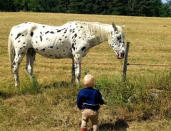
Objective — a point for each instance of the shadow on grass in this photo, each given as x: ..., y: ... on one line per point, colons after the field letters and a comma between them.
x: 63, y: 84
x: 119, y: 125
x: 31, y: 87
x: 5, y: 95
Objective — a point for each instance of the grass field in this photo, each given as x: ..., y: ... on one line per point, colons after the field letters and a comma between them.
x: 143, y: 101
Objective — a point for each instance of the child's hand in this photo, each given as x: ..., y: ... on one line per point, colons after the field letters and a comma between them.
x: 105, y: 103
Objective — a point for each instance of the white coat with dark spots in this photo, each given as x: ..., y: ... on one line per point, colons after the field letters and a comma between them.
x: 71, y: 40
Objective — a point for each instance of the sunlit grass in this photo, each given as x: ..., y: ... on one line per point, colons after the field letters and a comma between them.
x: 49, y: 101
x: 149, y: 37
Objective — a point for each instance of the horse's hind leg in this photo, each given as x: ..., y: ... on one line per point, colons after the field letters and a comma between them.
x: 15, y: 65
x: 30, y: 61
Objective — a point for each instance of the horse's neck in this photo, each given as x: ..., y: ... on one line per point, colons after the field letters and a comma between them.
x: 100, y: 31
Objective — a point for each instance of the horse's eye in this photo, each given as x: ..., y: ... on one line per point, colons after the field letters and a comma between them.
x: 119, y: 38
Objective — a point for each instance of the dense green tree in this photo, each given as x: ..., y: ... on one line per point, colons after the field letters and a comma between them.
x: 7, y: 5
x: 165, y: 11
x: 168, y: 6
x: 35, y: 5
x: 117, y: 7
x: 120, y: 7
x: 48, y: 5
x: 76, y: 6
x: 21, y: 5
x: 3, y: 5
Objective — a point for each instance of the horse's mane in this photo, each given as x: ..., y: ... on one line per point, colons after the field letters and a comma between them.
x: 97, y: 29
x: 100, y: 30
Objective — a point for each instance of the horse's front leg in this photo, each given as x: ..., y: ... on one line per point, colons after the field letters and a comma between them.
x: 77, y: 67
x: 73, y: 71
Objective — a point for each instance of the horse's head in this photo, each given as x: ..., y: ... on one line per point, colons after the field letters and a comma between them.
x: 117, y: 41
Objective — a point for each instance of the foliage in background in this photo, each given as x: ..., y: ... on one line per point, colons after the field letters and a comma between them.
x: 116, y: 7
x: 146, y: 97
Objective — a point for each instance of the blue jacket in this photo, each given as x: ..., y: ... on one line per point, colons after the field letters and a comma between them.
x: 89, y: 98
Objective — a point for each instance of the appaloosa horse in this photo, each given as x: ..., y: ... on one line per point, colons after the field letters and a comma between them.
x: 71, y: 40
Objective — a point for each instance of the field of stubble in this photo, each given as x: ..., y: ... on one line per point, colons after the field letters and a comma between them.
x: 49, y: 103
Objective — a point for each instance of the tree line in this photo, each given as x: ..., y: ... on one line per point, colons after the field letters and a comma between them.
x: 107, y: 7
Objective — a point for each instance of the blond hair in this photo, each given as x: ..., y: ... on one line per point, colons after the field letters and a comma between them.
x: 88, y: 80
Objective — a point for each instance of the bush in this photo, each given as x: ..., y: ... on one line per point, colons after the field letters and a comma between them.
x: 146, y: 95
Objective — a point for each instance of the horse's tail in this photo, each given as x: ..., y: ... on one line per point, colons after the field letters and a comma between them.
x: 31, y: 29
x: 11, y: 50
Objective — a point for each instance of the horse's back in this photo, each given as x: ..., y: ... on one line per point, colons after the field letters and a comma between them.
x: 51, y: 41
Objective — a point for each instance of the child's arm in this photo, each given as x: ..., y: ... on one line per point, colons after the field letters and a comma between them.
x: 101, y: 101
x: 80, y: 100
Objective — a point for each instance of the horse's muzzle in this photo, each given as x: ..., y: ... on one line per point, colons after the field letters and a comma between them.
x: 120, y: 55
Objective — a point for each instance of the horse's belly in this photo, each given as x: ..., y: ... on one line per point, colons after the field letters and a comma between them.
x: 52, y: 50
x: 51, y: 53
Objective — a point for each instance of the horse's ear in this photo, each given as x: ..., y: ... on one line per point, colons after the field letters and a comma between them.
x: 123, y: 26
x: 114, y: 27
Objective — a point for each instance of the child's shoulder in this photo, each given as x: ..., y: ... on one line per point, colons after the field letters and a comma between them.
x: 89, y: 89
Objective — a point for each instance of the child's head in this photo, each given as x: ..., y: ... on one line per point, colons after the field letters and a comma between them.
x: 88, y: 80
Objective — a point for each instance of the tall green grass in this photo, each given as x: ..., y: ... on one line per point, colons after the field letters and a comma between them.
x: 53, y: 104
x: 148, y: 96
x: 27, y: 86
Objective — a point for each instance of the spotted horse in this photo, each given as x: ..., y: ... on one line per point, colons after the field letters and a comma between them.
x: 71, y: 40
